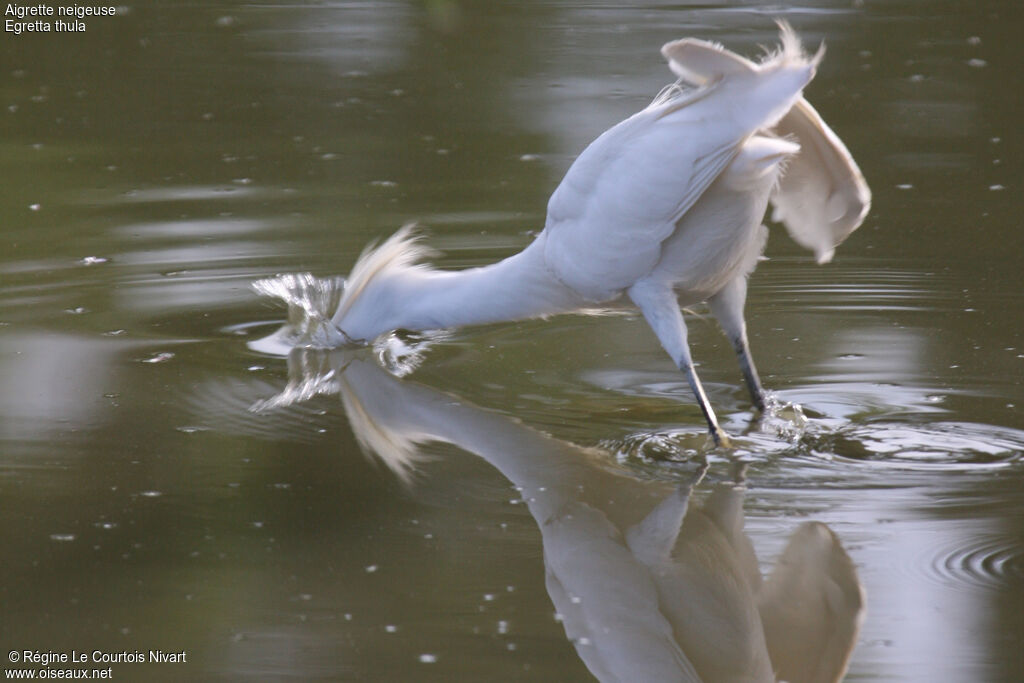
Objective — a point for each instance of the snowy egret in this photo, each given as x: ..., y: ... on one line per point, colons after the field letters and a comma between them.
x: 664, y: 209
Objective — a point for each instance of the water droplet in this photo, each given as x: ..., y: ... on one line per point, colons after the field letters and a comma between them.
x: 427, y: 658
x: 976, y: 63
x: 371, y: 568
x: 161, y: 357
x: 151, y: 494
x: 62, y: 538
x: 93, y: 260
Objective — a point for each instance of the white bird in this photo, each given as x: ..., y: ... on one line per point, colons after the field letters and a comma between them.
x: 665, y: 210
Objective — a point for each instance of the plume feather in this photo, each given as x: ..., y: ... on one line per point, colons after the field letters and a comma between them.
x: 403, y: 251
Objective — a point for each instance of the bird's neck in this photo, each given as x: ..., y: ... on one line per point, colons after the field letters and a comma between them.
x: 416, y: 299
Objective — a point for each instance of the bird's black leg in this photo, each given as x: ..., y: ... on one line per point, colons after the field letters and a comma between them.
x: 727, y: 307
x: 718, y: 436
x: 658, y: 303
x: 749, y: 371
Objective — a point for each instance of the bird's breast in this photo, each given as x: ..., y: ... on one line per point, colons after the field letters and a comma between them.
x: 718, y: 240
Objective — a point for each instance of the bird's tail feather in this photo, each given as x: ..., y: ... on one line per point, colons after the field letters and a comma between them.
x: 401, y: 251
x: 698, y: 62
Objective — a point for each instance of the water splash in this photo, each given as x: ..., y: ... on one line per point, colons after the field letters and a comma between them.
x: 311, y: 302
x: 783, y: 419
x: 400, y: 353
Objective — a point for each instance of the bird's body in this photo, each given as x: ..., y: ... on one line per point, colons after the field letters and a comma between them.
x: 663, y: 209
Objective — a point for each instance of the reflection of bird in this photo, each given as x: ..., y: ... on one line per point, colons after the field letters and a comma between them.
x: 664, y: 209
x: 649, y: 585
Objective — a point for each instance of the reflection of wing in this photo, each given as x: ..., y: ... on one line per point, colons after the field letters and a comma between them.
x: 608, y: 603
x: 811, y: 607
x: 822, y: 196
x: 725, y: 508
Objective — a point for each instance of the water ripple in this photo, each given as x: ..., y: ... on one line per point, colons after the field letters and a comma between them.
x: 227, y: 407
x: 935, y: 445
x: 987, y: 561
x: 852, y: 288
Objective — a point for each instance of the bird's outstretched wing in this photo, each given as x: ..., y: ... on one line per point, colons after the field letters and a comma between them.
x: 822, y: 196
x: 623, y: 196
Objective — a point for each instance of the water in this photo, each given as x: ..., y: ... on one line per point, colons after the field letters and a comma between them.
x: 168, y: 483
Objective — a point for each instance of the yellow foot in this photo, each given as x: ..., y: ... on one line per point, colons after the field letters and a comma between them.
x: 721, y: 439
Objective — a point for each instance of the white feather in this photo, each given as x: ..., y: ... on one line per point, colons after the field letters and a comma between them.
x: 666, y: 206
x: 823, y: 196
